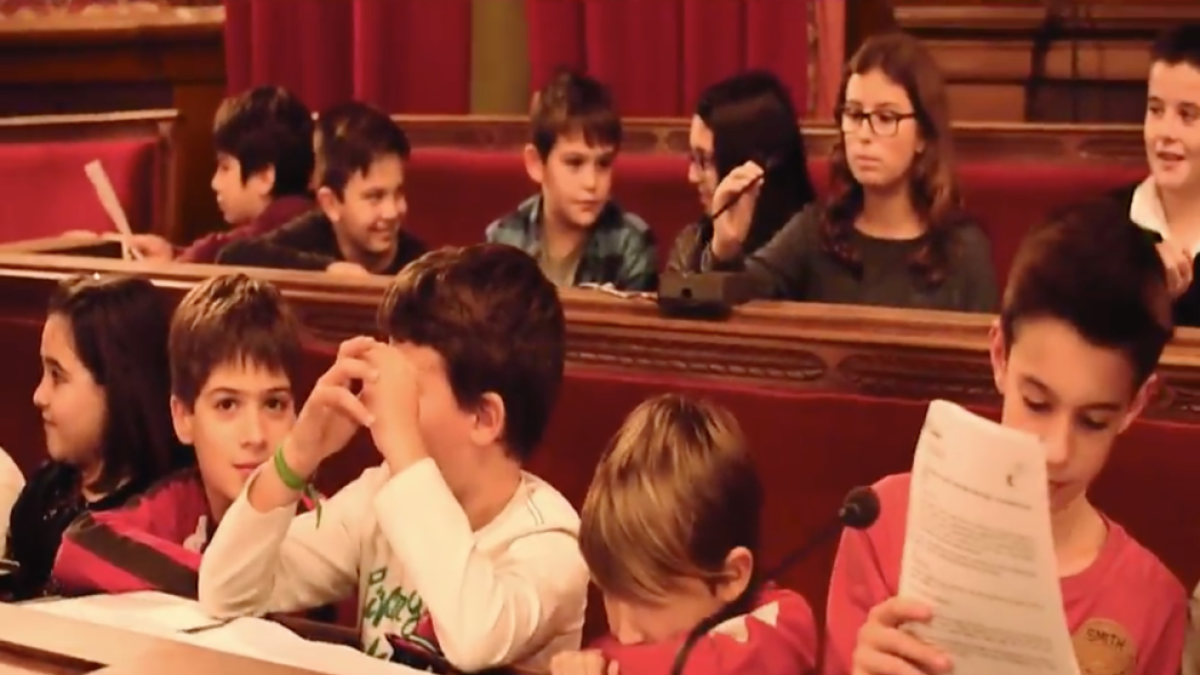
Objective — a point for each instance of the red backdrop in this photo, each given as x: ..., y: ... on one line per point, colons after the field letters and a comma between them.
x: 409, y: 56
x: 658, y: 55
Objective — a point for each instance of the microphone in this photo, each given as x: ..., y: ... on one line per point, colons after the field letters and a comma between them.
x: 859, y: 510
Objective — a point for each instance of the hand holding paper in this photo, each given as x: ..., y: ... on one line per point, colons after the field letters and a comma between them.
x: 112, y: 206
x: 979, y: 550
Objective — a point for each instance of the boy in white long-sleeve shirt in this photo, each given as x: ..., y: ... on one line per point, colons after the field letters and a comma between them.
x: 453, y: 548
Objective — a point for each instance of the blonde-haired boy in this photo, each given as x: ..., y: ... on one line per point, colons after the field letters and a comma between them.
x: 670, y: 532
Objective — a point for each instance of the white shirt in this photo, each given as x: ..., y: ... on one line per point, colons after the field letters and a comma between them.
x: 511, y: 593
x: 1146, y: 210
x: 11, y: 484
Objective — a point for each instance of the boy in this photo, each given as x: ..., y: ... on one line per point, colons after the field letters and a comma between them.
x: 1084, y: 320
x: 358, y: 229
x: 1168, y: 201
x: 573, y: 228
x: 263, y: 138
x: 670, y: 531
x: 235, y: 356
x: 456, y: 552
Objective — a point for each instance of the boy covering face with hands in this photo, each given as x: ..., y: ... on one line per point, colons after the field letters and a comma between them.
x: 454, y: 549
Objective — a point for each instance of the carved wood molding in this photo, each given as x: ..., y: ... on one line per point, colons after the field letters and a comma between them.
x: 863, y: 350
x: 973, y: 141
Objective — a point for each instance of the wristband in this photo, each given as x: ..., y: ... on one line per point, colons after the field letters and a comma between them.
x: 294, y: 482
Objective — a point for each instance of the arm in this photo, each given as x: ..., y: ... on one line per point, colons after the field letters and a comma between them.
x: 264, y: 252
x: 778, y: 638
x: 778, y: 270
x: 11, y: 483
x: 271, y: 560
x: 682, y: 257
x: 855, y: 587
x: 486, y: 612
x: 118, y: 551
x: 1165, y: 645
x: 639, y: 259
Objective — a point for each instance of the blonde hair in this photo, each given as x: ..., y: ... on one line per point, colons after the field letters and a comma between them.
x: 675, y: 492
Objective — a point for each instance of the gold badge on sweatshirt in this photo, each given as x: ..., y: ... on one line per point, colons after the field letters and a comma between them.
x: 1104, y: 647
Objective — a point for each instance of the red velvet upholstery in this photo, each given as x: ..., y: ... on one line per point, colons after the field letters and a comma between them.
x: 44, y: 191
x: 454, y: 194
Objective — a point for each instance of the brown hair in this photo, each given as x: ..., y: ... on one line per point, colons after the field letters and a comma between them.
x: 498, y: 325
x: 350, y: 138
x: 675, y: 492
x: 119, y: 330
x: 573, y: 102
x: 1094, y: 269
x: 933, y: 186
x: 231, y: 319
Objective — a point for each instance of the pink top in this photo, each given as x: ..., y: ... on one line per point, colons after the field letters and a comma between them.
x: 778, y: 637
x: 1126, y: 612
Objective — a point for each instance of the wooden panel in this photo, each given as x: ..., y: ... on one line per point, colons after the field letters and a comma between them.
x: 865, y: 350
x: 1036, y: 55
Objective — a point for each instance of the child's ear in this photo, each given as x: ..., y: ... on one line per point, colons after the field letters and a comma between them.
x: 739, y: 570
x: 1141, y: 399
x: 534, y: 166
x: 329, y: 203
x: 998, y: 350
x: 181, y: 418
x: 489, y: 420
x: 262, y: 183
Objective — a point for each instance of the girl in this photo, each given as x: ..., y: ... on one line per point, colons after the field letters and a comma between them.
x: 747, y: 117
x: 893, y: 232
x: 104, y: 398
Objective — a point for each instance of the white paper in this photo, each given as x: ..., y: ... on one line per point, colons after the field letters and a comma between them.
x: 112, y: 206
x: 979, y: 549
x: 149, y: 612
x: 268, y: 641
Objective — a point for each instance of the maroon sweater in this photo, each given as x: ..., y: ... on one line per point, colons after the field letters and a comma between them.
x: 279, y: 212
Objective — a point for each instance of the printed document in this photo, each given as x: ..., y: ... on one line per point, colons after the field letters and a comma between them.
x: 979, y: 550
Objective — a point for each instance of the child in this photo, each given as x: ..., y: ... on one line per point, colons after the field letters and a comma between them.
x: 359, y: 228
x: 1084, y: 320
x: 1168, y: 201
x: 454, y: 549
x: 11, y: 482
x: 104, y: 401
x: 893, y: 232
x: 670, y: 532
x: 235, y: 354
x: 573, y: 228
x: 264, y: 143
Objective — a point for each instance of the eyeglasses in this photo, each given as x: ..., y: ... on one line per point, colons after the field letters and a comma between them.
x: 881, y: 122
x: 701, y: 160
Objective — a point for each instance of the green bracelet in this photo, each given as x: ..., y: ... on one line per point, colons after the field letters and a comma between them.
x: 294, y: 482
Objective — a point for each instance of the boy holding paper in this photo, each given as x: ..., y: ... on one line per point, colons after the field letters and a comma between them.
x: 1084, y: 320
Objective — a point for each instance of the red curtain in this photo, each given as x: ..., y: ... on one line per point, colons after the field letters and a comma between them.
x: 658, y: 55
x: 411, y: 56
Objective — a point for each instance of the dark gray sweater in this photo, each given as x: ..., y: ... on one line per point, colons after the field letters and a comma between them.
x: 792, y: 266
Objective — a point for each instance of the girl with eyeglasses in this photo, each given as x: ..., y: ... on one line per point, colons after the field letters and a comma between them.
x: 893, y: 232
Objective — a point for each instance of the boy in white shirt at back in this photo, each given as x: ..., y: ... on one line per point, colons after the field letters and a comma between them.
x: 452, y: 547
x: 11, y: 483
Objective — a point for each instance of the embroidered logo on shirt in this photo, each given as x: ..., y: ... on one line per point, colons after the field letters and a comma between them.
x: 737, y: 629
x: 393, y: 614
x: 196, y: 541
x: 1104, y: 647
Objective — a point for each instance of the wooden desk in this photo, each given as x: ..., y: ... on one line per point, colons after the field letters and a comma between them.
x: 872, y: 351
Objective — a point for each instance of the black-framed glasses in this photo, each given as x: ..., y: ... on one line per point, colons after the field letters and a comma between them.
x: 703, y: 161
x: 881, y: 122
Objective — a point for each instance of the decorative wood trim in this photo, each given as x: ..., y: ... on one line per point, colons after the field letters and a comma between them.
x: 112, y: 26
x: 161, y: 125
x: 864, y: 350
x: 993, y: 141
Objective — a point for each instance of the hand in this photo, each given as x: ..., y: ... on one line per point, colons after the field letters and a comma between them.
x: 1178, y: 263
x: 884, y: 649
x: 394, y: 400
x: 332, y: 413
x: 731, y: 228
x: 589, y: 662
x: 152, y: 247
x: 347, y: 269
x: 80, y: 234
